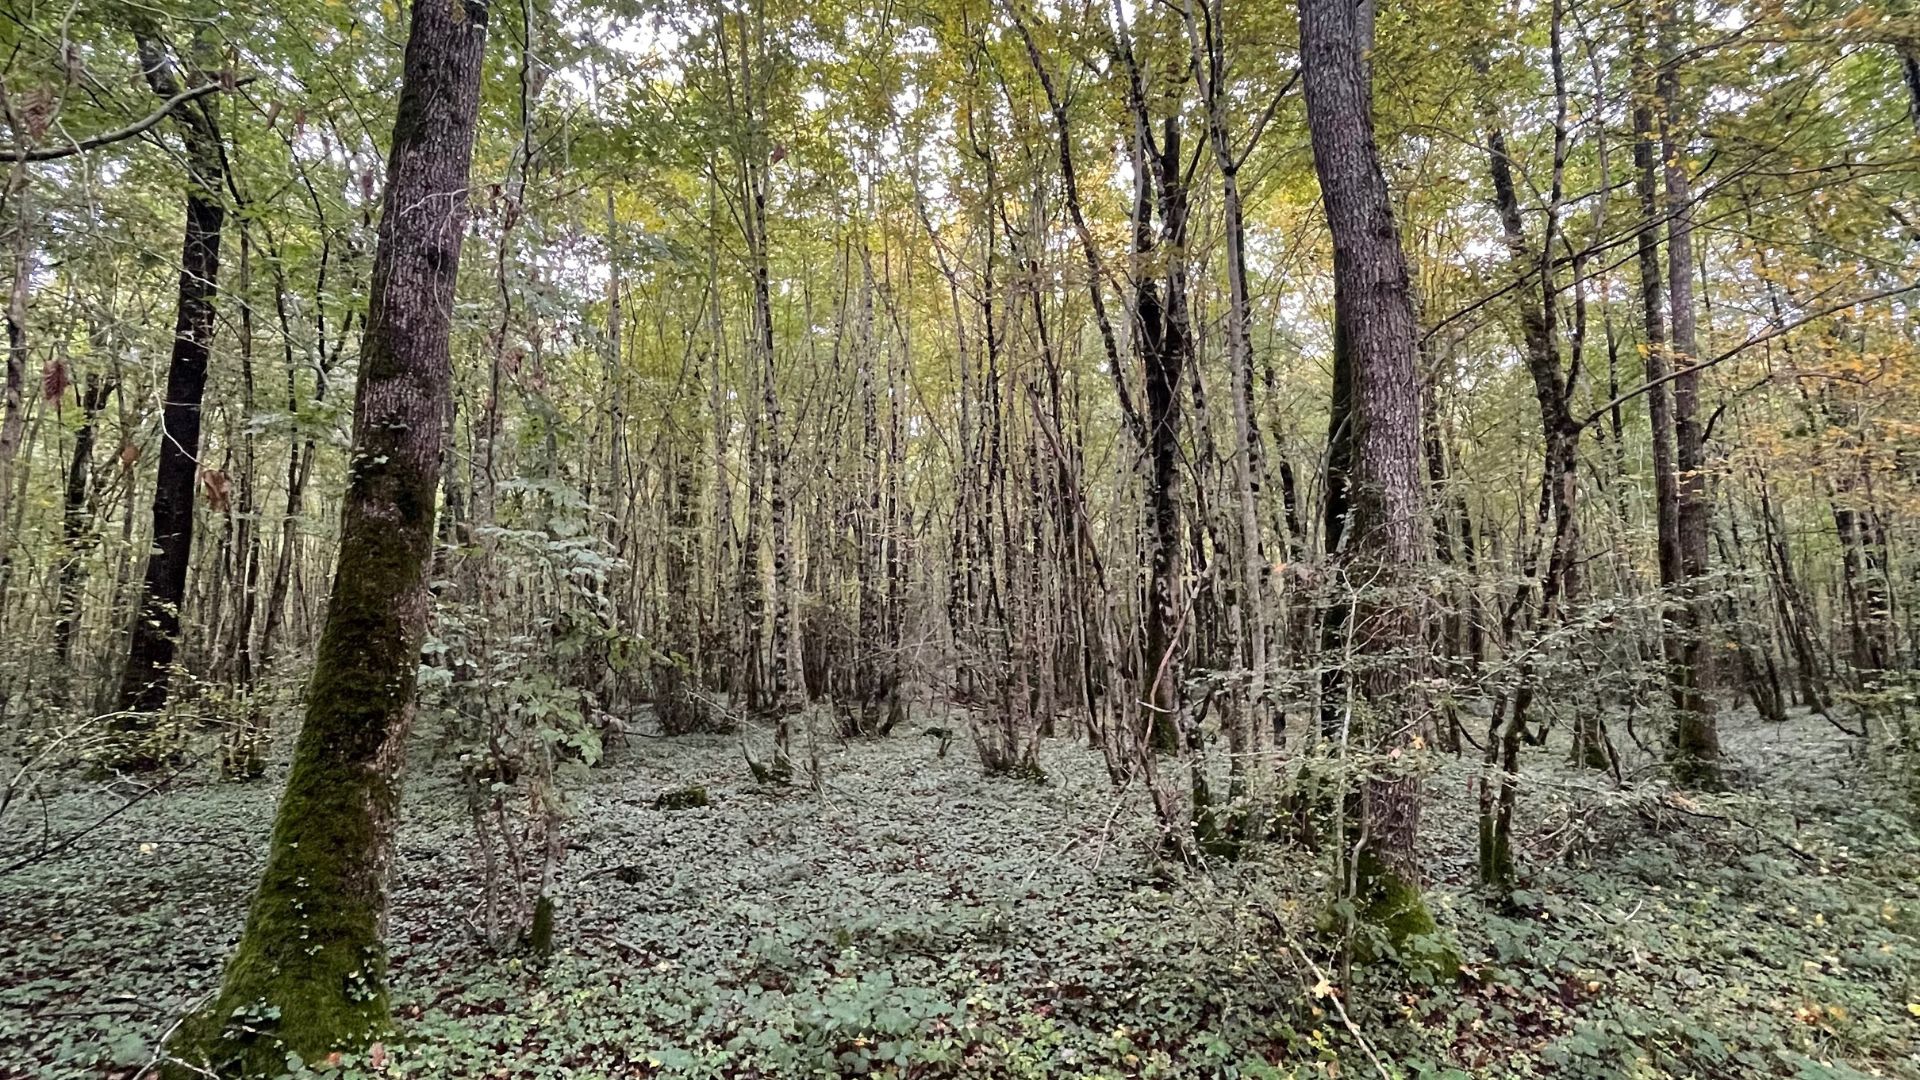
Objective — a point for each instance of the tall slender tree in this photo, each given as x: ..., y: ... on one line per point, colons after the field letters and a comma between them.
x: 155, y: 632
x: 309, y: 974
x: 1384, y: 545
x: 1696, y: 737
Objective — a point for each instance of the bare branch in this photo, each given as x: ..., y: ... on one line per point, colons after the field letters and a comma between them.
x: 1756, y: 339
x: 94, y: 142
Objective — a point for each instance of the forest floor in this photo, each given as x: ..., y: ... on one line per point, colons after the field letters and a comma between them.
x: 912, y: 918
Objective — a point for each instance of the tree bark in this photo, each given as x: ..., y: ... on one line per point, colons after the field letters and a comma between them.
x: 1162, y: 342
x: 1385, y: 547
x: 156, y: 619
x: 1696, y: 737
x: 1206, y: 34
x: 13, y: 415
x: 75, y: 521
x: 309, y: 973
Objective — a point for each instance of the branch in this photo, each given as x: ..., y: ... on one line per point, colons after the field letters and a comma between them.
x: 1260, y: 125
x: 54, y: 153
x: 1070, y: 189
x: 1777, y: 331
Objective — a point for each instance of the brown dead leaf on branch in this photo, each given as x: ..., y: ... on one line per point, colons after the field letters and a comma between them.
x: 219, y: 489
x: 54, y: 380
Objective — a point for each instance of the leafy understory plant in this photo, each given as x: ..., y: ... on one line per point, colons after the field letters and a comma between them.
x: 517, y: 648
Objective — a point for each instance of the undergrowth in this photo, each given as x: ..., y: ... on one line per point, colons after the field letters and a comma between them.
x: 913, y: 918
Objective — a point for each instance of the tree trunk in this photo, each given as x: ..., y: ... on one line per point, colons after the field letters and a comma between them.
x: 1207, y: 39
x: 1696, y: 737
x: 779, y: 512
x: 1162, y: 343
x: 308, y: 975
x: 156, y: 618
x: 1385, y: 548
x: 1909, y: 53
x: 1797, y: 623
x: 75, y: 522
x: 1660, y: 405
x: 13, y: 392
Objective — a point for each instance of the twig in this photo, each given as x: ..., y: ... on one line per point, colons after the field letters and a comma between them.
x: 47, y: 853
x: 1674, y: 802
x: 1756, y: 339
x: 54, y: 153
x: 160, y: 1055
x: 1340, y: 1010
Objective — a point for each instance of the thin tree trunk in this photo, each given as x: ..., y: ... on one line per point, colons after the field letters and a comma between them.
x: 13, y: 412
x: 1696, y: 737
x: 1209, y: 54
x: 1162, y: 344
x: 1666, y: 494
x: 156, y: 619
x: 75, y: 521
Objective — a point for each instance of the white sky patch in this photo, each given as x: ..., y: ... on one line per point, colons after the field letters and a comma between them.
x: 652, y: 42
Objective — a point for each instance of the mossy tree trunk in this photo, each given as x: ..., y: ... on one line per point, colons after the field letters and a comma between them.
x: 1384, y: 547
x: 309, y: 974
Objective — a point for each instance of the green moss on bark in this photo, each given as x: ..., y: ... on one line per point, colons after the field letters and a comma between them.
x: 1393, y: 904
x: 1496, y: 853
x: 687, y: 798
x: 1695, y: 759
x: 309, y: 975
x: 540, y: 935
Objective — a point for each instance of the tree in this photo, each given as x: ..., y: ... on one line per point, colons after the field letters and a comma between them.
x: 308, y: 976
x: 1696, y: 738
x: 155, y: 632
x: 1384, y: 538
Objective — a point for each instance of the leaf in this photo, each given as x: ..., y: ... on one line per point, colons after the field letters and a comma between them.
x: 129, y: 1048
x: 54, y: 380
x: 219, y: 489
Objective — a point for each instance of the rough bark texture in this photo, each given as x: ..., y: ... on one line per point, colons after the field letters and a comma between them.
x: 1163, y: 343
x: 309, y: 974
x: 1696, y: 737
x: 1653, y: 303
x: 156, y: 619
x: 1385, y: 547
x: 1661, y: 399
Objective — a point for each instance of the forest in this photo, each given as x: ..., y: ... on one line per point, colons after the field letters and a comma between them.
x: 960, y: 538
